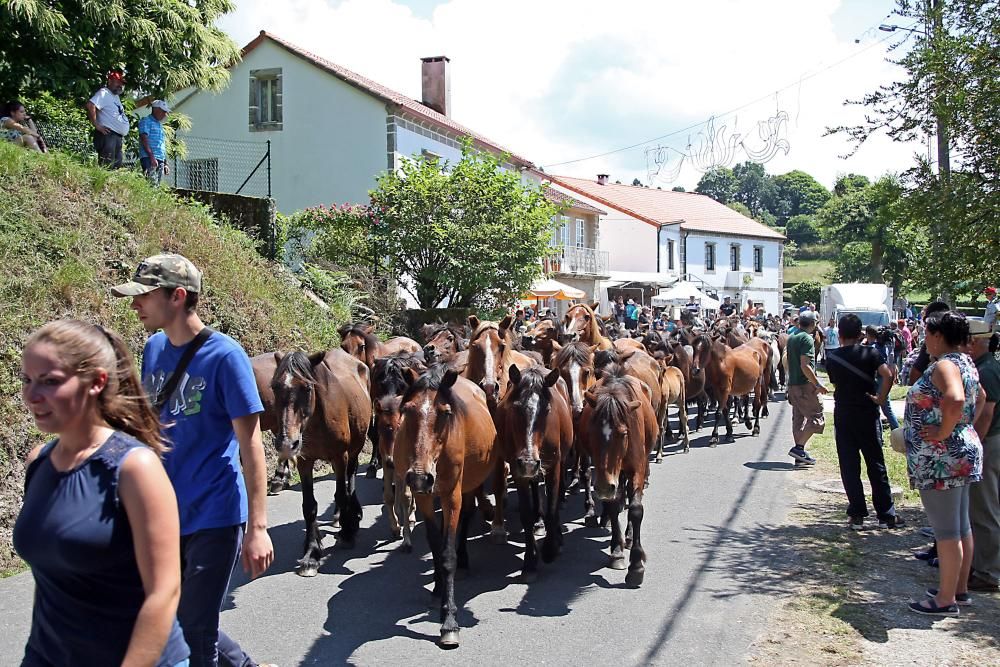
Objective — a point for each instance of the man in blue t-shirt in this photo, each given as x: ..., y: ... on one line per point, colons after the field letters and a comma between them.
x: 153, y: 143
x: 212, y: 425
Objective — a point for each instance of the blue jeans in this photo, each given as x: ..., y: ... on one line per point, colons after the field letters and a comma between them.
x: 208, y: 558
x: 887, y: 407
x: 155, y: 176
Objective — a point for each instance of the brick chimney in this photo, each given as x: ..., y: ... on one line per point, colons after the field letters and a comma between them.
x: 602, y: 179
x: 436, y: 84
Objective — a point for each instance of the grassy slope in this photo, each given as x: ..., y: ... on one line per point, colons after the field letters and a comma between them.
x: 809, y: 269
x: 69, y: 232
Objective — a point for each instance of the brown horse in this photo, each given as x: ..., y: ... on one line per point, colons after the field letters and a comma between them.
x: 263, y: 370
x: 581, y: 323
x: 623, y: 345
x: 732, y: 373
x: 575, y: 363
x: 359, y: 342
x: 490, y: 355
x: 620, y: 431
x: 638, y: 364
x: 672, y: 384
x: 542, y: 339
x: 535, y: 432
x: 445, y: 344
x: 323, y: 413
x: 445, y: 449
x: 391, y: 378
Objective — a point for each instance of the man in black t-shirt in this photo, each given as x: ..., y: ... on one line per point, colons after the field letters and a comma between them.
x: 853, y: 368
x: 727, y: 308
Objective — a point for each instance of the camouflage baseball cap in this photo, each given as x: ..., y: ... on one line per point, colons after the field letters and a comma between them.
x: 161, y: 271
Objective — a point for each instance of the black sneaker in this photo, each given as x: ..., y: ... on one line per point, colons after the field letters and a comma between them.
x: 856, y: 523
x: 891, y: 523
x: 800, y: 454
x: 963, y: 599
x: 934, y: 610
x: 803, y: 464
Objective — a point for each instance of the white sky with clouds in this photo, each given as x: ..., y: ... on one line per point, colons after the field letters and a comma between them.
x: 556, y: 80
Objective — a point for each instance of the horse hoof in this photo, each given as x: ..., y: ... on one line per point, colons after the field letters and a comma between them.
x: 590, y: 521
x: 659, y: 459
x: 618, y: 563
x: 729, y: 440
x: 628, y: 543
x: 275, y: 487
x: 449, y: 639
x: 634, y: 577
x: 539, y: 531
x: 498, y: 536
x: 713, y: 443
x: 756, y: 431
x: 308, y: 570
x: 687, y: 449
x: 528, y: 577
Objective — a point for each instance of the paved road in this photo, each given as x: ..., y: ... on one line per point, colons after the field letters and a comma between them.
x: 701, y: 602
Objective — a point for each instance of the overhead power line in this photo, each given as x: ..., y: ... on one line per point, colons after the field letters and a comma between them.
x: 797, y: 82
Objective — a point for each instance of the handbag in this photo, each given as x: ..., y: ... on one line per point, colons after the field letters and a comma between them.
x: 897, y: 440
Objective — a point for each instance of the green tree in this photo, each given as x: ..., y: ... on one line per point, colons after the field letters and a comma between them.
x: 678, y: 188
x: 802, y: 229
x: 853, y: 263
x: 847, y: 183
x: 719, y: 183
x: 797, y: 193
x: 468, y: 234
x: 754, y: 188
x: 67, y: 46
x: 807, y: 290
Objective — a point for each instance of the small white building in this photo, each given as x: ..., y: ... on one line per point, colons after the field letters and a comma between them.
x: 683, y: 235
x: 331, y: 131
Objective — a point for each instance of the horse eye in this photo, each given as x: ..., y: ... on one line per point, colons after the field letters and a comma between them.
x: 451, y: 338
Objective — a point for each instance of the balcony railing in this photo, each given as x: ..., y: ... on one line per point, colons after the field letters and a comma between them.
x: 586, y: 261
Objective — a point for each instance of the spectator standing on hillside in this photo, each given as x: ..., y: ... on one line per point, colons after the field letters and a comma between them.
x: 992, y: 306
x: 153, y: 143
x: 99, y: 522
x: 853, y: 368
x: 107, y: 115
x: 804, y: 388
x: 213, y: 411
x: 944, y: 455
x: 984, y: 498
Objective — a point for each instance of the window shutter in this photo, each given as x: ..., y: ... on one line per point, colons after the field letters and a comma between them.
x: 277, y: 99
x: 254, y: 101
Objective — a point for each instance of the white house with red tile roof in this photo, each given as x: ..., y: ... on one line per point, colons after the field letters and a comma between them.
x: 677, y: 234
x: 332, y: 131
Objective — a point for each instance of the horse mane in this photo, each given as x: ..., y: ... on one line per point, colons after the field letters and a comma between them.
x: 297, y: 365
x: 349, y: 329
x: 604, y: 357
x: 574, y: 352
x: 533, y: 379
x: 459, y: 332
x: 390, y: 373
x: 431, y: 381
x: 484, y: 326
x: 612, y: 399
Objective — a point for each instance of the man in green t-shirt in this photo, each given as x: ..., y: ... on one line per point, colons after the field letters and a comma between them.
x: 984, y: 503
x: 804, y: 388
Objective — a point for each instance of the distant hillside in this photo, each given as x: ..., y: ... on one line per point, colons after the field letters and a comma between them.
x: 68, y: 232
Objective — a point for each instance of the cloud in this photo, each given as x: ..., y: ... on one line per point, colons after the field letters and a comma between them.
x: 564, y: 79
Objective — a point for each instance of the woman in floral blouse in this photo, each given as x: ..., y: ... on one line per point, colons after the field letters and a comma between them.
x: 944, y: 455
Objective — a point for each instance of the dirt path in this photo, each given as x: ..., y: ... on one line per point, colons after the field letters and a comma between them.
x: 846, y: 593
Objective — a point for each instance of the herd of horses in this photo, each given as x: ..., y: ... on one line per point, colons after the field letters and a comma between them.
x: 572, y: 404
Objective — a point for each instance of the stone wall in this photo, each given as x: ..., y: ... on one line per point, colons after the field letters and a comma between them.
x: 253, y: 215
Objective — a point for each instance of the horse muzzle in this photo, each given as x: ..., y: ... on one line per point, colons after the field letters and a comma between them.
x: 430, y: 354
x: 420, y: 482
x: 606, y: 492
x: 526, y: 469
x: 289, y: 448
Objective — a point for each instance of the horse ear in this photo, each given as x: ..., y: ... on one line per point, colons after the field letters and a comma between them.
x: 412, y: 375
x: 593, y: 348
x: 514, y: 374
x: 368, y: 328
x: 505, y: 322
x: 590, y: 397
x: 344, y: 330
x: 278, y: 356
x: 426, y: 330
x: 668, y: 358
x: 448, y: 381
x: 594, y: 305
x: 634, y: 405
x: 552, y: 377
x: 316, y: 358
x: 556, y: 346
x: 473, y: 322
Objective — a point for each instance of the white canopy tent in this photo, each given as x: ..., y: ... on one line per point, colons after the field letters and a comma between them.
x: 679, y: 294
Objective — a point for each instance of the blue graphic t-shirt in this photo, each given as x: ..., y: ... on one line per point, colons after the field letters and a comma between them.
x: 204, y: 460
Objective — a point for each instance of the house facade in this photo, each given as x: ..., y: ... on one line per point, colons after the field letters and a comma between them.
x: 331, y: 131
x: 674, y: 235
x: 579, y: 260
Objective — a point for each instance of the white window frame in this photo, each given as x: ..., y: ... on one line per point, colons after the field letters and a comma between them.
x: 580, y: 233
x: 266, y: 100
x: 670, y: 254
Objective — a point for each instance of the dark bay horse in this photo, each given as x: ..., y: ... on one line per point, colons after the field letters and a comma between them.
x: 445, y: 344
x: 620, y: 431
x: 391, y: 378
x: 731, y: 373
x: 575, y: 363
x: 581, y: 323
x: 445, y: 449
x: 323, y: 413
x: 359, y: 341
x: 535, y: 431
x: 542, y: 338
x: 491, y: 352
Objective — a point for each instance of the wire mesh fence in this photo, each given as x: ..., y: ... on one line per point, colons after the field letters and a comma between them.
x: 223, y: 165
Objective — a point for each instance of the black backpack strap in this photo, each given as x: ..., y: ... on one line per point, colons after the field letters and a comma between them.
x: 165, y: 393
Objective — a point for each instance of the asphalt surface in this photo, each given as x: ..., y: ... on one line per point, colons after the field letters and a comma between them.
x: 701, y: 602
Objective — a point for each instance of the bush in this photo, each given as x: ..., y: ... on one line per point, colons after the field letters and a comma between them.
x: 807, y: 290
x: 63, y: 123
